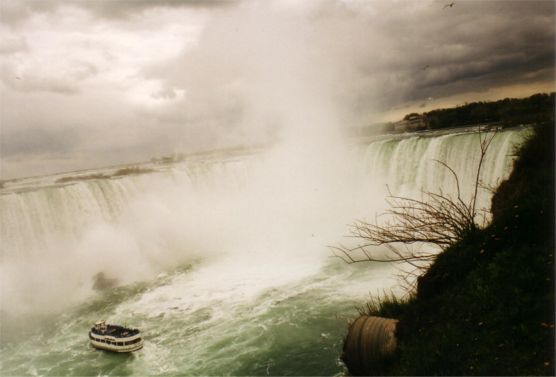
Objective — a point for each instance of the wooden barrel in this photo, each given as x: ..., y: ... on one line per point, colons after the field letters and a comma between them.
x: 370, y: 341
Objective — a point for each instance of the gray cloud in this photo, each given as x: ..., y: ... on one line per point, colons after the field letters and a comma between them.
x: 38, y: 141
x: 12, y: 44
x: 33, y: 82
x: 369, y: 60
x: 259, y: 69
x: 494, y: 51
x: 14, y: 11
x: 122, y: 8
x: 474, y: 46
x: 165, y: 93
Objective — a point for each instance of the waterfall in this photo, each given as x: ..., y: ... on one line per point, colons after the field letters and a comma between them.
x: 59, y: 231
x: 30, y: 218
x: 411, y: 165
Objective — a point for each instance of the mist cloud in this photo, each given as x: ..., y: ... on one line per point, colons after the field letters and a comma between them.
x: 137, y: 78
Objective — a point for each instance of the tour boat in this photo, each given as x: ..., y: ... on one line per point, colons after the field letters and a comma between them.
x: 115, y: 338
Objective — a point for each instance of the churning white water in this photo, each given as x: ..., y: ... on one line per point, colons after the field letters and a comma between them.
x: 220, y: 259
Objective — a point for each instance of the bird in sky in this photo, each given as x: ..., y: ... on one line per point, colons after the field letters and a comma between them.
x: 449, y: 5
x: 426, y: 67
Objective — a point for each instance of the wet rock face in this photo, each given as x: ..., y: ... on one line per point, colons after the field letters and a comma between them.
x: 102, y: 282
x: 369, y: 344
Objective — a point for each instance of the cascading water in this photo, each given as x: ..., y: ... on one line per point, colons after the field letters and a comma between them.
x: 31, y: 218
x: 220, y: 261
x: 412, y: 165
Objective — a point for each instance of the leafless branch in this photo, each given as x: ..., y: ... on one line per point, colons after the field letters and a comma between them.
x: 436, y: 219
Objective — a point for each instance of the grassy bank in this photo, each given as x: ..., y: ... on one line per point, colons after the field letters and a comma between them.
x: 486, y: 306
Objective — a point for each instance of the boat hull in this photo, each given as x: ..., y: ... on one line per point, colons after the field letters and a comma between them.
x: 116, y: 344
x: 119, y: 349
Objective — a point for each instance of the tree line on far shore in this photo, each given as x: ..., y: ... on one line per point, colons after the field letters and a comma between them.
x: 506, y: 112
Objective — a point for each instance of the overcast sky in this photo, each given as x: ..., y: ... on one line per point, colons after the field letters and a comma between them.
x: 101, y: 82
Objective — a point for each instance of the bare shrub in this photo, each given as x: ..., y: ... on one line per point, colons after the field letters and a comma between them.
x: 435, y: 219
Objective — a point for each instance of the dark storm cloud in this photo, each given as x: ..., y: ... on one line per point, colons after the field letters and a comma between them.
x: 473, y: 46
x: 373, y: 55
